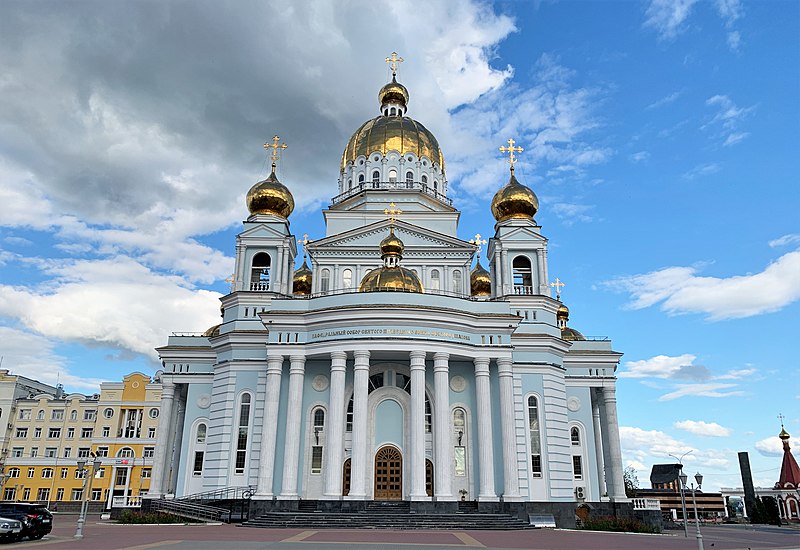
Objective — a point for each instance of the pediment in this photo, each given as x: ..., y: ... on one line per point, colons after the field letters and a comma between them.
x: 368, y: 238
x: 521, y: 234
x: 262, y: 231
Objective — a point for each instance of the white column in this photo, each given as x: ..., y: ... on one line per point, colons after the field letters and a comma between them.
x: 276, y: 273
x: 358, y: 460
x: 508, y: 284
x: 485, y: 453
x: 240, y: 275
x: 269, y: 430
x: 540, y: 261
x: 294, y: 418
x: 510, y: 475
x: 163, y: 449
x: 498, y: 274
x: 614, y: 479
x: 333, y: 448
x: 598, y: 444
x: 443, y: 450
x: 546, y: 276
x: 288, y: 270
x: 417, y: 466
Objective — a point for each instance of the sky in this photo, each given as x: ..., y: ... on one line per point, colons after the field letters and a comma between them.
x: 661, y: 138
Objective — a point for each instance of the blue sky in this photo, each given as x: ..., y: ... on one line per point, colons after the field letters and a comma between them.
x: 661, y: 138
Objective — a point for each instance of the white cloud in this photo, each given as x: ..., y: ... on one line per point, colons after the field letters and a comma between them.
x: 727, y: 119
x: 667, y: 16
x: 680, y: 290
x: 706, y: 389
x: 570, y: 213
x: 639, y: 156
x: 790, y: 238
x: 701, y: 170
x: 660, y: 366
x: 666, y: 100
x: 699, y: 427
x: 770, y: 446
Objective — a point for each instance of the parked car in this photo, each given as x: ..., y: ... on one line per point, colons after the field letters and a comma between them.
x: 10, y: 529
x: 36, y: 519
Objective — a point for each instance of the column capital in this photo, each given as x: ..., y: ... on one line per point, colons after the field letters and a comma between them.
x: 361, y: 354
x: 167, y: 390
x: 417, y: 355
x: 441, y: 356
x: 481, y: 366
x: 297, y: 364
x: 504, y: 366
x: 609, y: 393
x: 361, y: 359
x: 339, y: 356
x: 274, y: 364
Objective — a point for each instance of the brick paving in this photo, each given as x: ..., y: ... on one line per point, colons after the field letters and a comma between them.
x: 105, y: 536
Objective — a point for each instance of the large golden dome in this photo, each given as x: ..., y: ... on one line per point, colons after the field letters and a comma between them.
x: 480, y: 282
x: 397, y: 279
x: 392, y: 133
x: 301, y: 282
x: 514, y: 200
x: 270, y: 196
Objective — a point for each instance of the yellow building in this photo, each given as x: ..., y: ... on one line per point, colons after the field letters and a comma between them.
x: 49, y: 434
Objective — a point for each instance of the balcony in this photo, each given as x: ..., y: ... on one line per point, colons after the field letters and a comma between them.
x: 392, y: 186
x: 259, y: 286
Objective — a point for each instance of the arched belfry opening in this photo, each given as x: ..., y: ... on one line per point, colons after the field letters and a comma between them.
x: 260, y: 271
x: 523, y: 280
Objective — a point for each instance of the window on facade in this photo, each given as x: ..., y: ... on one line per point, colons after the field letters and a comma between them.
x: 47, y: 473
x: 108, y: 412
x: 43, y: 493
x: 86, y: 433
x: 90, y: 414
x: 534, y: 435
x: 403, y: 382
x: 459, y: 451
x: 24, y: 414
x: 60, y: 493
x: 197, y: 469
x: 325, y: 280
x: 241, y: 440
x: 70, y: 433
x: 67, y: 452
x: 83, y: 452
x: 96, y: 493
x: 201, y: 433
x: 102, y: 451
x: 435, y: 280
x: 50, y: 452
x: 428, y: 416
x: 122, y: 477
x: 149, y: 452
x: 523, y: 283
x: 458, y: 288
x: 259, y: 273
x: 153, y: 413
x: 435, y: 186
x: 577, y: 467
x: 77, y: 494
x: 34, y: 452
x: 64, y: 473
x: 575, y: 436
x: 16, y: 452
x: 409, y: 177
x: 73, y: 415
x: 347, y: 279
x: 10, y: 493
x: 13, y: 472
x: 80, y: 473
x: 57, y: 414
x: 40, y: 415
x: 37, y: 433
x: 100, y: 473
x: 393, y: 175
x: 316, y: 459
x: 26, y: 494
x: 31, y: 472
x: 424, y: 179
x: 349, y: 421
x: 375, y: 381
x: 125, y: 452
x: 361, y: 178
x: 146, y: 473
x: 22, y: 432
x: 319, y: 419
x: 376, y: 176
x: 151, y: 433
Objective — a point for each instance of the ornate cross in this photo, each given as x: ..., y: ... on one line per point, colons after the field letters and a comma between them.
x: 393, y: 61
x: 392, y: 212
x: 511, y: 150
x: 781, y: 417
x: 231, y: 280
x: 305, y: 242
x: 558, y: 285
x: 477, y: 241
x: 275, y: 145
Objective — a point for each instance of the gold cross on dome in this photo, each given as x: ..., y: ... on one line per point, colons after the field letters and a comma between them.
x: 512, y: 160
x: 558, y: 285
x: 477, y: 241
x: 275, y: 145
x: 781, y: 417
x: 392, y: 212
x: 393, y: 62
x: 231, y: 280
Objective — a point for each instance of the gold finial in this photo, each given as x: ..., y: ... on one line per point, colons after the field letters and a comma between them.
x: 275, y: 145
x: 558, y: 285
x: 231, y: 281
x: 392, y: 212
x: 511, y: 150
x: 393, y: 61
x: 477, y: 241
x: 305, y: 242
x: 781, y: 417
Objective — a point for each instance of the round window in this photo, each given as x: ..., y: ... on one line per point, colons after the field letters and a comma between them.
x: 108, y: 413
x: 153, y: 413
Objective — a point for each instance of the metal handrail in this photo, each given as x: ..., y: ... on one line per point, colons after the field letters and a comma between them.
x: 392, y: 186
x: 193, y: 511
x: 221, y: 494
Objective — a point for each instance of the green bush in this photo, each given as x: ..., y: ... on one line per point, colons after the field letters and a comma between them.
x: 626, y: 525
x: 138, y: 517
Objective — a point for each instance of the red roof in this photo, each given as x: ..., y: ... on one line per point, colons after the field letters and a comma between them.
x: 790, y: 471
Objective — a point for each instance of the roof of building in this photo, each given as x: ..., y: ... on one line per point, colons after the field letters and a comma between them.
x: 664, y: 473
x: 790, y: 471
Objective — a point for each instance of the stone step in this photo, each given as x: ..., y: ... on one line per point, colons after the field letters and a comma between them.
x: 377, y: 520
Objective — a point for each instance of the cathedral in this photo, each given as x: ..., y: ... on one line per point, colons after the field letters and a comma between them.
x: 391, y: 365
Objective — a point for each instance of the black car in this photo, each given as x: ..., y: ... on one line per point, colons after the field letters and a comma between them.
x: 36, y: 519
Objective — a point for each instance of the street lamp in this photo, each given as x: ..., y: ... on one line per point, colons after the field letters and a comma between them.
x: 699, y: 479
x: 682, y: 484
x: 84, y: 504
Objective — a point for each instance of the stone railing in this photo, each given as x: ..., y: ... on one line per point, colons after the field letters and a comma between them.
x: 646, y: 504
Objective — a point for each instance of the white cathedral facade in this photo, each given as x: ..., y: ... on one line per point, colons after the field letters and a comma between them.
x: 391, y: 368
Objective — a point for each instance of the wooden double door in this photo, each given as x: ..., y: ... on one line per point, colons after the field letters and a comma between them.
x: 388, y: 474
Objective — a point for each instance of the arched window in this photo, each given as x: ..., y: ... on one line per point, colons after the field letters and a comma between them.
x: 360, y: 178
x: 409, y: 177
x: 243, y: 432
x: 40, y: 415
x: 73, y: 415
x: 350, y: 183
x: 259, y: 274
x: 459, y: 439
x: 522, y: 276
x: 428, y: 416
x: 575, y: 435
x: 319, y: 419
x: 457, y: 286
x: 325, y: 280
x: 125, y: 452
x: 424, y: 179
x: 317, y: 445
x: 347, y: 279
x: 435, y: 187
x: 534, y: 435
x: 349, y: 419
x: 435, y: 281
x: 393, y: 175
x: 376, y: 176
x: 200, y: 437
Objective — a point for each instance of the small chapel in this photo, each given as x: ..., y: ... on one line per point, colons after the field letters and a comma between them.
x: 393, y: 364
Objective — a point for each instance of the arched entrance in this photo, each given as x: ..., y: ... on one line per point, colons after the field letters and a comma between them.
x: 388, y: 474
x: 346, y: 478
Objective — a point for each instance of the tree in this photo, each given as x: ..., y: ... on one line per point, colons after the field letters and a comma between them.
x: 631, y: 481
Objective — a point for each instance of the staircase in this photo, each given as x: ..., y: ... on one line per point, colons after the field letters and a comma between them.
x: 395, y: 515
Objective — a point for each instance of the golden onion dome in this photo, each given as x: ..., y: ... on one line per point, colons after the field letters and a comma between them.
x: 480, y: 282
x: 571, y: 334
x: 392, y: 133
x: 393, y: 92
x: 562, y: 313
x: 270, y: 196
x: 301, y: 282
x: 398, y: 279
x: 212, y: 331
x: 392, y: 245
x: 514, y: 200
x: 784, y: 435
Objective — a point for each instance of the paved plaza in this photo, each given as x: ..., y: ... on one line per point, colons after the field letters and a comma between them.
x: 108, y: 536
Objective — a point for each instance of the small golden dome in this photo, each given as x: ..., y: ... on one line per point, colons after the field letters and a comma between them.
x: 301, y: 282
x: 514, y: 200
x: 784, y: 434
x: 212, y: 331
x: 398, y: 279
x: 480, y: 282
x: 393, y: 92
x: 571, y: 334
x: 562, y: 313
x: 270, y: 196
x: 392, y: 245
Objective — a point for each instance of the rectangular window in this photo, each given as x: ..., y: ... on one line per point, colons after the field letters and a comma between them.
x: 100, y: 473
x: 86, y: 433
x: 577, y: 467
x: 198, y: 463
x: 34, y: 452
x: 96, y: 493
x: 31, y: 472
x: 13, y: 472
x: 149, y: 452
x: 16, y: 452
x: 90, y: 414
x: 122, y: 476
x: 10, y: 493
x: 26, y: 494
x: 460, y: 456
x: 83, y: 452
x: 534, y: 436
x: 24, y: 414
x: 67, y: 452
x: 77, y: 494
x: 316, y: 459
x: 43, y: 493
x: 106, y: 431
x: 146, y: 472
x: 536, y: 465
x: 151, y: 433
x: 64, y: 473
x: 37, y: 433
x: 57, y: 414
x: 22, y: 433
x: 70, y: 433
x: 80, y: 473
x: 50, y: 452
x: 60, y: 493
x: 54, y: 433
x: 47, y: 473
x: 102, y: 451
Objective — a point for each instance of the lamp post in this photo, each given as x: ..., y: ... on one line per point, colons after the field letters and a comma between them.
x: 699, y: 479
x: 681, y: 486
x: 84, y: 504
